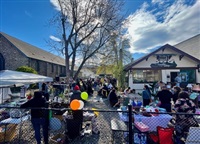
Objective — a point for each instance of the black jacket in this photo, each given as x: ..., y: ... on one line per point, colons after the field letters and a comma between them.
x: 36, y: 103
x: 165, y: 96
x: 76, y: 95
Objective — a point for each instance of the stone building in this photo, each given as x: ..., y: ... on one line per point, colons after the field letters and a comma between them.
x: 15, y: 53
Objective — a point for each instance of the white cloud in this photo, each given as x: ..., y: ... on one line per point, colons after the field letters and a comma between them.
x: 176, y: 22
x: 157, y: 1
x: 55, y: 38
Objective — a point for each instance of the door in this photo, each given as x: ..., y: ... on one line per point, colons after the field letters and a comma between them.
x: 173, y: 75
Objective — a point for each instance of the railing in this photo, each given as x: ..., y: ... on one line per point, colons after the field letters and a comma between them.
x: 97, y: 126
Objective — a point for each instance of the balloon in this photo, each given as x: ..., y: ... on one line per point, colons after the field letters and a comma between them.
x: 75, y: 104
x: 81, y: 104
x: 55, y: 124
x: 84, y: 95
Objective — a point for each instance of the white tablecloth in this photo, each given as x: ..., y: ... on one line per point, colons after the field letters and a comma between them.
x: 153, y: 121
x: 15, y: 120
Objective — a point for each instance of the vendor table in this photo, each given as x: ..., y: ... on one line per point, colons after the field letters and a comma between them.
x: 153, y: 121
x: 14, y: 121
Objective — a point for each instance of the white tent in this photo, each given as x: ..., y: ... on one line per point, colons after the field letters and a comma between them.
x: 8, y: 78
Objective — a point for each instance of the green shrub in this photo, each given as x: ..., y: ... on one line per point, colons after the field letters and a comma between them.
x: 26, y: 69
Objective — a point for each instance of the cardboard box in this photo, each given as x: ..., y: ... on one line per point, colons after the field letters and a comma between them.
x: 10, y: 133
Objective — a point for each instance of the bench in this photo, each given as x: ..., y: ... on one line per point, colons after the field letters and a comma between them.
x: 118, y: 126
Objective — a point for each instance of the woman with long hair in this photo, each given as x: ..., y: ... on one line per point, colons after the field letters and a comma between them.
x: 176, y: 90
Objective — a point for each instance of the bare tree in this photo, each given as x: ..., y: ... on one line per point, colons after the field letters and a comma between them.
x: 86, y: 26
x: 117, y: 50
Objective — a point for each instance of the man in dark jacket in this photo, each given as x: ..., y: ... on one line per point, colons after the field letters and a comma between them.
x: 74, y: 126
x: 39, y: 116
x: 76, y: 94
x: 165, y: 98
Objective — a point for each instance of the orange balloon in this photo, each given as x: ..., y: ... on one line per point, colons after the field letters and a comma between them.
x: 75, y: 104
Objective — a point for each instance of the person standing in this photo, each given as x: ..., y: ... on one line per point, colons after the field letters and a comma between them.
x: 146, y: 95
x: 76, y: 94
x: 176, y: 91
x: 178, y: 80
x: 74, y: 125
x: 45, y: 90
x: 39, y: 117
x: 165, y: 98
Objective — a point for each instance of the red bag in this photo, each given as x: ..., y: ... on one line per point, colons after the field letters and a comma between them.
x: 165, y: 135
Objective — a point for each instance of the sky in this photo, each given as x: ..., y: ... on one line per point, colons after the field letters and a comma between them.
x: 150, y: 23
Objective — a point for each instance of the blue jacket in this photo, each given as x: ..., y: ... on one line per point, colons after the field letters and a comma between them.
x: 146, y: 94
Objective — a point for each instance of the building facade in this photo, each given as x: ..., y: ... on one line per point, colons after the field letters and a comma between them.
x: 166, y: 64
x: 15, y: 53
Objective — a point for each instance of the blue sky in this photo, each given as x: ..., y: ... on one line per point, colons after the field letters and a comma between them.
x: 152, y: 23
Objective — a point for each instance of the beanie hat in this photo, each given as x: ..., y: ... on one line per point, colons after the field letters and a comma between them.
x: 76, y: 87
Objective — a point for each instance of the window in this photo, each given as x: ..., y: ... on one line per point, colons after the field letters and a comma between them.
x: 2, y: 62
x: 56, y: 69
x: 144, y: 76
x: 52, y: 68
x: 37, y: 65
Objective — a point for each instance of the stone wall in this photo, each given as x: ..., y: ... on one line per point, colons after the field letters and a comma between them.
x: 14, y: 58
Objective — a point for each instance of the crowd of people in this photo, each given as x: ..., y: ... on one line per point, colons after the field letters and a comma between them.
x: 173, y: 99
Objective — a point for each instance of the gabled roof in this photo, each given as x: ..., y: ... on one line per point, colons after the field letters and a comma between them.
x: 129, y: 66
x: 34, y: 52
x: 191, y: 46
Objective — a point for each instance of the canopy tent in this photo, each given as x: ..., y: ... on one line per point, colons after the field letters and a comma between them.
x: 9, y: 78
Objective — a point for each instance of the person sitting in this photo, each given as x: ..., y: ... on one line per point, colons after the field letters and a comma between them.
x: 110, y: 86
x: 127, y: 90
x: 184, y: 122
x: 104, y: 91
x: 113, y: 97
x: 119, y: 102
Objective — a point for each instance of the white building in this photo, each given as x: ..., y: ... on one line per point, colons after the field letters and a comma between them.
x: 165, y: 63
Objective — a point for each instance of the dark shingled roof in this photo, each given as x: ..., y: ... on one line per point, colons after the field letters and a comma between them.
x: 34, y: 52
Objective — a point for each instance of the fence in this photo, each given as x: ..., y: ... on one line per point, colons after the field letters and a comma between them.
x: 99, y: 126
